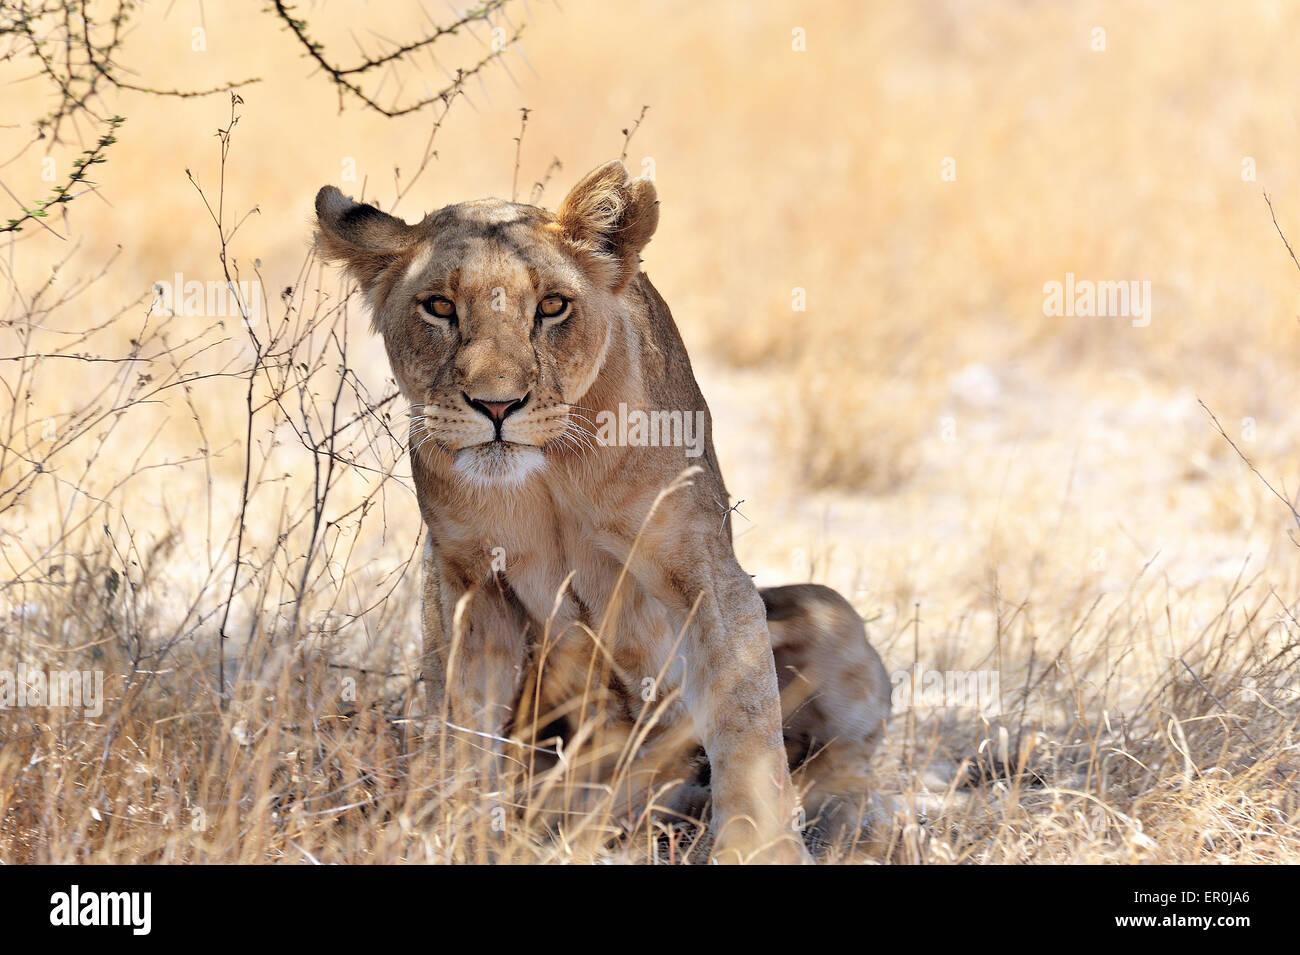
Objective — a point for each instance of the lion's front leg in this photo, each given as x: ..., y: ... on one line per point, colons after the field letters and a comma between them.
x: 481, y: 649
x: 485, y: 648
x: 475, y: 654
x: 433, y: 664
x: 731, y: 689
x: 485, y: 639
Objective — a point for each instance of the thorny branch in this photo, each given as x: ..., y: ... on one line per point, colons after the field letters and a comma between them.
x: 345, y: 77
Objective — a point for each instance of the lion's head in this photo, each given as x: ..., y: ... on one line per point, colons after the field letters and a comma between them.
x: 496, y: 315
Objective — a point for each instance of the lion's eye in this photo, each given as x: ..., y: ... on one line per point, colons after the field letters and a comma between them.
x: 439, y: 307
x: 552, y: 306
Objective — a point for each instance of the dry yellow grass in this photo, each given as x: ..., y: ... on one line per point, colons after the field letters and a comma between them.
x: 1037, y: 497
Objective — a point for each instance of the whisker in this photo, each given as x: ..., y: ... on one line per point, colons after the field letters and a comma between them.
x: 587, y: 438
x: 565, y: 440
x: 568, y: 440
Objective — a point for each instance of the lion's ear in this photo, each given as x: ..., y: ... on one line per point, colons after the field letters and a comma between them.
x: 613, y: 216
x: 365, y: 239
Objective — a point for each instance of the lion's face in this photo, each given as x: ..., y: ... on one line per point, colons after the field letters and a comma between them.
x: 494, y: 330
x: 496, y: 316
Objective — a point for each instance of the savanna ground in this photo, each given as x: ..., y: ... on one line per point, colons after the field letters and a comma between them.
x: 854, y: 240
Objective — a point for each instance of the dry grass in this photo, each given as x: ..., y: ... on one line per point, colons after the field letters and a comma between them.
x: 997, y: 490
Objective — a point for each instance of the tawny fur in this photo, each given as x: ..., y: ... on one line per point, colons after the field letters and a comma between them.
x: 552, y: 557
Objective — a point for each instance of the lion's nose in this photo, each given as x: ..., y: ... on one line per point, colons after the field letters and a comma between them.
x: 497, y: 411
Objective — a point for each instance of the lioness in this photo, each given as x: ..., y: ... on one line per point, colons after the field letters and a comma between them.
x: 510, y: 329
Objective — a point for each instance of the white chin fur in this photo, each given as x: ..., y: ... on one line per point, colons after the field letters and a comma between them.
x: 498, y: 465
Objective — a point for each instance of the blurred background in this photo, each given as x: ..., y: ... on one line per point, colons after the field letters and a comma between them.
x: 862, y: 204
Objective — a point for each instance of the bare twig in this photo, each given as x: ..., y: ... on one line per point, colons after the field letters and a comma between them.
x: 1295, y: 514
x: 519, y: 145
x: 1279, y: 230
x: 631, y: 131
x: 344, y: 77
